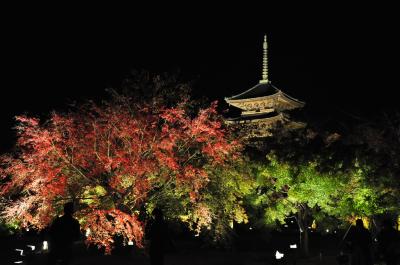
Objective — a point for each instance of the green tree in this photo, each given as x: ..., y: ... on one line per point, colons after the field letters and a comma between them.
x: 301, y: 191
x: 322, y: 177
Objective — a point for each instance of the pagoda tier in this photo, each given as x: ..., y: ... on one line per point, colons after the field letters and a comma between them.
x: 263, y: 98
x: 267, y: 118
x: 257, y: 126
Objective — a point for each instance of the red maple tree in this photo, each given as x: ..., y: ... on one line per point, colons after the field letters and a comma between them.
x: 108, y: 158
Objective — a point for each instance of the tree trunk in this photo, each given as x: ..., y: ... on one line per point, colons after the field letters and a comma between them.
x: 302, y: 220
x: 305, y: 247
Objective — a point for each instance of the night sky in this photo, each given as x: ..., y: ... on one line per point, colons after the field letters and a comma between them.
x: 341, y: 62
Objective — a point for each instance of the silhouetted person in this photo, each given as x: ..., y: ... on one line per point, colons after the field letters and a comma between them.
x: 361, y: 243
x: 388, y: 243
x: 63, y: 232
x: 157, y: 233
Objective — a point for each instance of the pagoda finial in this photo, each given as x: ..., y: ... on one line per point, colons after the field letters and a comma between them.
x: 265, y: 62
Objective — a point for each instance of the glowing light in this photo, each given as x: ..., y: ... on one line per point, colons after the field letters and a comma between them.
x: 18, y: 262
x: 279, y: 255
x: 130, y: 243
x: 251, y: 228
x: 293, y: 246
x: 335, y: 231
x: 376, y: 240
x: 292, y: 221
x: 286, y: 226
x: 327, y: 230
x: 32, y: 247
x: 27, y: 230
x: 398, y: 223
x: 21, y: 251
x: 45, y: 245
x: 314, y: 225
x: 87, y: 233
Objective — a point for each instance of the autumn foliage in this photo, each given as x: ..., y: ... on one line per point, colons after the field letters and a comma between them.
x: 108, y: 158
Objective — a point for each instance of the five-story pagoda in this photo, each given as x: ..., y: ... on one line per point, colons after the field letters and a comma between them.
x: 264, y: 107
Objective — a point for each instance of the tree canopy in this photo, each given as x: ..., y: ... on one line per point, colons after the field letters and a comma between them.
x: 114, y: 159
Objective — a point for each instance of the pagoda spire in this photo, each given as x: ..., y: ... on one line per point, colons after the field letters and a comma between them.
x: 265, y: 62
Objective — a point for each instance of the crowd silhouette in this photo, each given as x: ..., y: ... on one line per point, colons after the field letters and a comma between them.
x: 360, y: 244
x: 363, y: 251
x: 362, y: 247
x: 63, y: 232
x: 158, y: 235
x: 389, y: 244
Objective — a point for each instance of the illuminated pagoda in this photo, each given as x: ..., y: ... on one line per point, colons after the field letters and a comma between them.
x: 264, y: 107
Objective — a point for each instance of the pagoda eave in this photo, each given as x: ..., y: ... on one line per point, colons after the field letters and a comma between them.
x: 276, y: 101
x: 267, y: 120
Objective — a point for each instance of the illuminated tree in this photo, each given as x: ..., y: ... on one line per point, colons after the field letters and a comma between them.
x: 379, y: 149
x: 112, y: 159
x: 325, y: 178
x: 300, y: 192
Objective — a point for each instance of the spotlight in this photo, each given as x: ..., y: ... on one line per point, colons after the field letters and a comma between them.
x: 293, y: 246
x: 21, y: 251
x: 32, y: 247
x: 279, y: 255
x: 130, y: 243
x: 45, y: 245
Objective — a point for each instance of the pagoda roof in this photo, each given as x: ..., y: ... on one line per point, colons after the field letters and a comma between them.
x: 264, y: 96
x: 259, y: 90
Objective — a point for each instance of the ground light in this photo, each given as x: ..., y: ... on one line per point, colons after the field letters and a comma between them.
x: 32, y: 247
x: 279, y: 255
x: 293, y: 247
x: 21, y: 253
x: 45, y: 246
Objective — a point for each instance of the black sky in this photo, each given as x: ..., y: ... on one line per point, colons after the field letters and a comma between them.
x: 342, y: 60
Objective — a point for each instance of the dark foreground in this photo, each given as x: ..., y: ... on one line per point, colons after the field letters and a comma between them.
x: 192, y: 258
x: 249, y: 249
